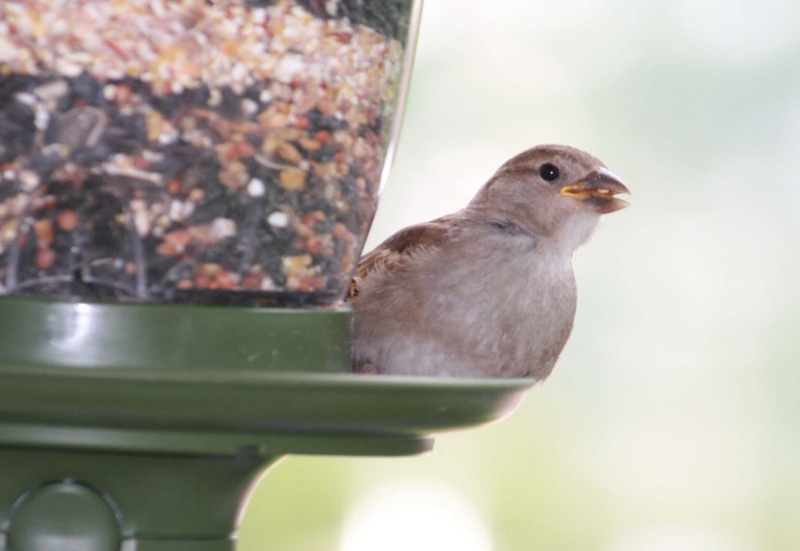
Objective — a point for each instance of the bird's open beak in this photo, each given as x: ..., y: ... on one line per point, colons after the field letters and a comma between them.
x: 596, y: 192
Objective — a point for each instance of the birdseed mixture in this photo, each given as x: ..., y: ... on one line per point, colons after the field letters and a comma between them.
x: 192, y: 150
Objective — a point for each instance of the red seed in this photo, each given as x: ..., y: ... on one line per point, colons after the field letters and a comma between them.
x: 252, y: 281
x: 140, y: 162
x: 343, y: 37
x: 245, y: 149
x: 313, y: 245
x: 323, y: 136
x: 67, y: 220
x: 45, y: 258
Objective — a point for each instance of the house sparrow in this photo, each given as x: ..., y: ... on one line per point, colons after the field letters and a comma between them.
x: 489, y: 290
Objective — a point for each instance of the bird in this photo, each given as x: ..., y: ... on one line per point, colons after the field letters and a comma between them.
x: 488, y: 291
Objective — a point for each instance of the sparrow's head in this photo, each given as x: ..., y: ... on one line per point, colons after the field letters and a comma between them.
x: 552, y: 189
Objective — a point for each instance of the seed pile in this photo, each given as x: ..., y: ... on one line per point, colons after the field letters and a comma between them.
x: 204, y: 150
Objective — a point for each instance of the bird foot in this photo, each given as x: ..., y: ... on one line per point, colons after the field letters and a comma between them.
x: 365, y: 368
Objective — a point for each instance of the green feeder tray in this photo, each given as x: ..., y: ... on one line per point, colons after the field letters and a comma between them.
x: 143, y: 427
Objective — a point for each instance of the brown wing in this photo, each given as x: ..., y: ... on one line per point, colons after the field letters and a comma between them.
x: 398, y: 248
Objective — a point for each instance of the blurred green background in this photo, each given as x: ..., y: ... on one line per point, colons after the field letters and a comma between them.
x: 672, y: 419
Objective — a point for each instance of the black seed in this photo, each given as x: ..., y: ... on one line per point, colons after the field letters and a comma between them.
x: 88, y: 89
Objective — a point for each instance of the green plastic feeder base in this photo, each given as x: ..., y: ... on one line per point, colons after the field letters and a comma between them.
x: 145, y: 427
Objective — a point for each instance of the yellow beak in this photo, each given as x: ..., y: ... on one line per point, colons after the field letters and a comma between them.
x: 597, y: 192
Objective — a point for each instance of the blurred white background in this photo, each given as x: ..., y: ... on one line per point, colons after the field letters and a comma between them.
x: 671, y: 422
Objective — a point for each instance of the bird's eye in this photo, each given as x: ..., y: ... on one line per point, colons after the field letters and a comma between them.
x: 549, y: 172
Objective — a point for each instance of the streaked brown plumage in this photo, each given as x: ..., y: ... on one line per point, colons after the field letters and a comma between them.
x: 487, y: 291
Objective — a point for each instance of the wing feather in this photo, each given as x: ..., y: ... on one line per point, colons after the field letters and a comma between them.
x: 398, y: 248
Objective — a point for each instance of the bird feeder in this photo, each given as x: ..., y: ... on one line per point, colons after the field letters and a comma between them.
x: 185, y: 189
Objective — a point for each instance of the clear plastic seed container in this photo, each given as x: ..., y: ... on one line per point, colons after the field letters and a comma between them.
x: 210, y: 151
